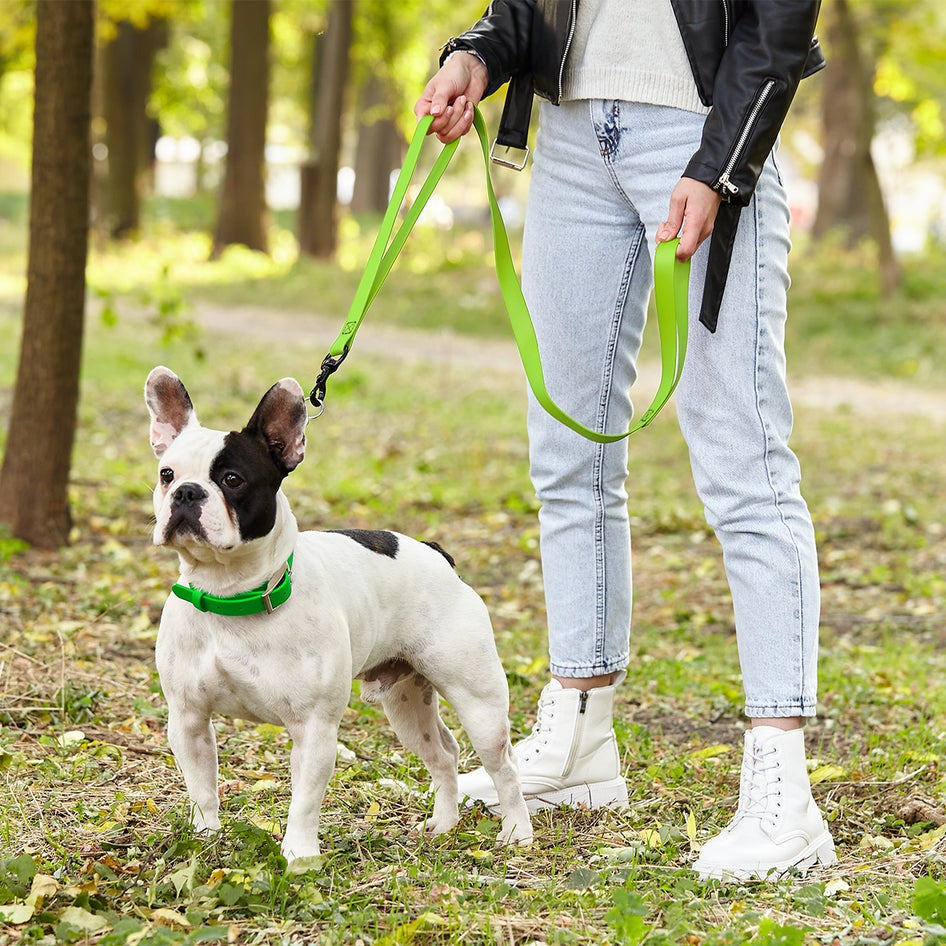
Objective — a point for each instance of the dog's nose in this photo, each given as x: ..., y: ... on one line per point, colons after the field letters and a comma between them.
x: 189, y: 494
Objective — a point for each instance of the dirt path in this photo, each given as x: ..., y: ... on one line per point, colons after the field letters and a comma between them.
x: 495, y: 359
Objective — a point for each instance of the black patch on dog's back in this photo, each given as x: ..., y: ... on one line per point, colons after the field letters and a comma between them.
x: 375, y: 540
x: 439, y: 548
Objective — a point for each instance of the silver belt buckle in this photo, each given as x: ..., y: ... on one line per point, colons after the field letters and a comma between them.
x: 505, y: 162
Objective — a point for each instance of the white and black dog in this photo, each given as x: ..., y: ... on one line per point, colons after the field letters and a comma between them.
x: 272, y: 624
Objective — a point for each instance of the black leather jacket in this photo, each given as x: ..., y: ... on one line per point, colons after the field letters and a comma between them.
x: 747, y: 58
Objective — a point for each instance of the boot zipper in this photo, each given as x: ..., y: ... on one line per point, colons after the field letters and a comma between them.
x: 577, y: 734
x: 723, y: 183
x: 568, y: 46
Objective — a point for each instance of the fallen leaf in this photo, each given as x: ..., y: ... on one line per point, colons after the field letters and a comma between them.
x: 84, y: 920
x: 43, y: 887
x: 16, y: 912
x: 710, y: 752
x: 835, y: 885
x: 826, y: 773
x: 164, y: 916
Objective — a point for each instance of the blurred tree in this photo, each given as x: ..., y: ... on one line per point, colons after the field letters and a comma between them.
x: 885, y: 69
x: 849, y: 194
x: 380, y: 146
x: 130, y: 133
x: 318, y: 209
x: 242, y: 212
x: 385, y: 34
x: 34, y: 478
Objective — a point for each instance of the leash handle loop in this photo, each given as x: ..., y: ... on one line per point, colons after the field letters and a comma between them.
x: 671, y: 290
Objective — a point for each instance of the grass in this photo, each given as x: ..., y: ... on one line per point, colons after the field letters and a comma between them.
x: 93, y: 841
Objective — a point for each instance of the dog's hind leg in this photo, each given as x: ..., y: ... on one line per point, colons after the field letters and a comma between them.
x: 483, y: 713
x: 411, y: 705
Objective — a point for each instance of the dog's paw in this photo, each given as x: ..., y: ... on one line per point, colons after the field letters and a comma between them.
x: 515, y: 834
x: 298, y: 850
x: 204, y: 825
x: 299, y: 865
x: 438, y: 824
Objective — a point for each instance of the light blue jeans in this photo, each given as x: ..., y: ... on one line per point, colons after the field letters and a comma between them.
x: 600, y: 187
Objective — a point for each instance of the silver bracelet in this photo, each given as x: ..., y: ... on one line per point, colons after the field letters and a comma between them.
x: 468, y: 51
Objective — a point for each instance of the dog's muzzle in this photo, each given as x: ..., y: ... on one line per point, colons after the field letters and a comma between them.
x: 186, y: 504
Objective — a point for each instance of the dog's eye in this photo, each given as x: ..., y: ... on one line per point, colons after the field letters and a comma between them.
x: 167, y: 476
x: 232, y: 480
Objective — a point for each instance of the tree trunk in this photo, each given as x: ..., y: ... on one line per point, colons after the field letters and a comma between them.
x: 34, y: 479
x: 849, y: 194
x: 318, y: 209
x: 380, y: 149
x: 242, y: 217
x: 127, y: 61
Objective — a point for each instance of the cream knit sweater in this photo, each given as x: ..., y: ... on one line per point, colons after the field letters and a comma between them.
x: 630, y: 50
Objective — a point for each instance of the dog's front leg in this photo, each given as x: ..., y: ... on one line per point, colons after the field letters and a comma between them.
x: 313, y: 761
x: 194, y: 745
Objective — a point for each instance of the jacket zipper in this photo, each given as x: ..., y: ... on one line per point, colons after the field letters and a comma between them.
x: 723, y: 183
x: 725, y: 22
x: 576, y: 735
x: 568, y: 46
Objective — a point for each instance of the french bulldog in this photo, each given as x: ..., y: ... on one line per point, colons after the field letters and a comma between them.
x: 324, y: 608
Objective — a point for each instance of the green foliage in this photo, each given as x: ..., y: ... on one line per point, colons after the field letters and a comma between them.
x: 902, y: 46
x: 191, y: 76
x: 626, y: 917
x: 774, y: 934
x: 9, y: 545
x: 929, y: 903
x: 400, y: 43
x: 17, y: 34
x: 911, y: 42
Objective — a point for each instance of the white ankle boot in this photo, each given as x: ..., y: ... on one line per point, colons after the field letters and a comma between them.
x: 571, y: 757
x: 777, y: 826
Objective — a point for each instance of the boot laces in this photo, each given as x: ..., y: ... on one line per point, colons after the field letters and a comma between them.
x: 539, y: 737
x: 759, y: 793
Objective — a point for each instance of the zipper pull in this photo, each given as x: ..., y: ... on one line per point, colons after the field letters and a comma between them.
x: 724, y: 184
x: 582, y: 701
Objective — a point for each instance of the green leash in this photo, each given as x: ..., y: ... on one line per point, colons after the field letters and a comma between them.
x: 671, y: 283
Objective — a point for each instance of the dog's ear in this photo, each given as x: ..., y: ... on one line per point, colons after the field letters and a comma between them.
x: 279, y: 421
x: 170, y: 408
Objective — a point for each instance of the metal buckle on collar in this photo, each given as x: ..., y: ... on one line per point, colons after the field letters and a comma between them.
x: 265, y: 597
x: 505, y: 162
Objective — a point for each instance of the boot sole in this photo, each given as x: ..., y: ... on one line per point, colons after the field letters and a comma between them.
x: 611, y: 794
x: 819, y: 853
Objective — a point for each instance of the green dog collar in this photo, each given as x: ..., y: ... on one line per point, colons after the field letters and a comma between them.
x: 257, y: 601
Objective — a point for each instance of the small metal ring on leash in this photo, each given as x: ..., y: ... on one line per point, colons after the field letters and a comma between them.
x: 330, y: 365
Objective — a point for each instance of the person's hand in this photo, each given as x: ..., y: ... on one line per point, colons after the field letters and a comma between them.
x: 693, y: 207
x: 451, y: 94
